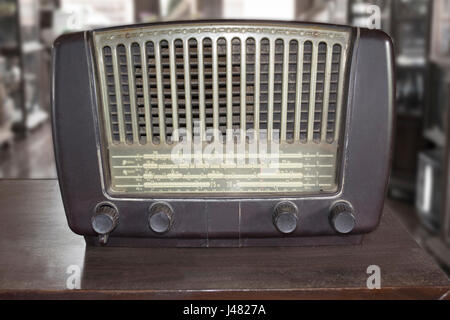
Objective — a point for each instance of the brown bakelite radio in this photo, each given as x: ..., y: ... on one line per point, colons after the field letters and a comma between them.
x: 223, y: 133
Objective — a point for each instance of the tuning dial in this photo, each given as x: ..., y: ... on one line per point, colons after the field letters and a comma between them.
x: 104, y: 221
x: 160, y: 218
x: 342, y: 218
x: 285, y: 217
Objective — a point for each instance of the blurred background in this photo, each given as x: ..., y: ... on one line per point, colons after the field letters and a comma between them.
x: 420, y: 179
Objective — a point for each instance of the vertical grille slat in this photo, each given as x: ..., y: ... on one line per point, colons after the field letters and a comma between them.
x: 271, y: 89
x: 298, y: 94
x: 264, y: 84
x: 118, y: 92
x: 108, y: 94
x: 124, y: 81
x: 319, y: 89
x: 180, y: 84
x: 154, y: 111
x: 278, y: 86
x: 195, y: 107
x: 236, y: 86
x: 243, y: 84
x: 285, y: 83
x: 222, y: 84
x: 153, y: 86
x: 208, y: 87
x: 306, y: 89
x: 229, y: 88
x: 201, y: 88
x: 292, y: 70
x: 139, y: 125
x: 250, y: 56
x: 166, y: 96
x: 146, y: 93
x: 187, y: 87
x: 160, y: 94
x: 257, y: 88
x: 174, y: 93
x: 215, y: 84
x: 312, y: 93
x: 132, y: 93
x: 326, y: 97
x: 336, y: 95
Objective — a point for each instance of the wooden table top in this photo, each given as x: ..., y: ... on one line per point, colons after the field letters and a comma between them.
x: 37, y: 249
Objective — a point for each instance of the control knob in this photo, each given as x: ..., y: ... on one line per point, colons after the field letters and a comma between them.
x: 160, y: 218
x: 104, y: 221
x: 285, y: 217
x: 342, y: 218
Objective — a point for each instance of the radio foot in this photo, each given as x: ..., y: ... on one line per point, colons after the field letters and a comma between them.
x: 103, y: 239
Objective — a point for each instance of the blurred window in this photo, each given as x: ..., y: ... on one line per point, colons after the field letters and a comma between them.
x: 259, y: 9
x: 87, y: 14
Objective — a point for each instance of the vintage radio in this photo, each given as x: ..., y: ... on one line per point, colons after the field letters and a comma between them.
x: 223, y: 133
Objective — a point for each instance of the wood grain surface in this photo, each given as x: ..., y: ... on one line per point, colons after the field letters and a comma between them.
x: 37, y: 248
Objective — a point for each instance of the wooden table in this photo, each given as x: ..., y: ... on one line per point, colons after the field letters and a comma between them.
x: 37, y: 248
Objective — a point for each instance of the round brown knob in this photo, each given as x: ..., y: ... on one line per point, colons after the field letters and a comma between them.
x: 285, y: 217
x: 342, y: 218
x: 105, y: 219
x: 160, y: 218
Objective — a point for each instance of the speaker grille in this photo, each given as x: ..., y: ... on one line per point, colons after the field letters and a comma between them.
x: 155, y: 80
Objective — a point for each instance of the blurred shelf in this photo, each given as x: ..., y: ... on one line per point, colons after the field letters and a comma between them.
x: 6, y: 135
x: 440, y: 250
x: 444, y: 62
x: 407, y: 111
x: 411, y: 62
x: 402, y: 187
x: 36, y: 117
x: 433, y: 244
x: 436, y: 136
x: 31, y: 47
x: 9, y: 50
x: 405, y: 181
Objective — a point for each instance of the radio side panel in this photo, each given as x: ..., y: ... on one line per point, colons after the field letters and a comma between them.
x: 73, y: 130
x: 371, y: 121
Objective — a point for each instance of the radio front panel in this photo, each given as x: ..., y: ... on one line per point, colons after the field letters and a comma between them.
x: 220, y: 109
x: 223, y: 133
